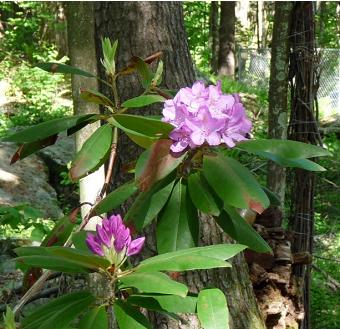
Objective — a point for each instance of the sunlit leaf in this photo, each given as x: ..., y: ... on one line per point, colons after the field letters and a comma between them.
x: 93, y: 153
x: 143, y: 100
x: 129, y: 317
x: 95, y: 318
x: 234, y: 183
x: 212, y: 309
x: 96, y: 97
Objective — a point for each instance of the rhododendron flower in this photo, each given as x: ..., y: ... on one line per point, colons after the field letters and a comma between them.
x: 113, y: 241
x: 202, y: 115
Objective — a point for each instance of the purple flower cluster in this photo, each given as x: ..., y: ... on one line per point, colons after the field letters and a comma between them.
x: 113, y: 241
x: 205, y: 115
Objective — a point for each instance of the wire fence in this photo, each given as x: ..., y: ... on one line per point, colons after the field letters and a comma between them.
x: 254, y: 70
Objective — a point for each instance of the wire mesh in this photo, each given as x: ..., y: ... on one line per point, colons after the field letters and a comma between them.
x: 254, y: 70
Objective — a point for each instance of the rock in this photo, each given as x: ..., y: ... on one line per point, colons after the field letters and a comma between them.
x: 26, y: 182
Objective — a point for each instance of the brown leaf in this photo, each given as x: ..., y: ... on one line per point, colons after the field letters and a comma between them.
x: 160, y: 163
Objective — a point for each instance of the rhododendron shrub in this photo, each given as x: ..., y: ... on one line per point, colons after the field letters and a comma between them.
x: 187, y: 168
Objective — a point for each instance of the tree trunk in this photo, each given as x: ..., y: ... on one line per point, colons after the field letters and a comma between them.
x: 303, y: 127
x: 140, y: 31
x: 80, y: 28
x: 213, y: 35
x: 278, y: 88
x: 226, y: 55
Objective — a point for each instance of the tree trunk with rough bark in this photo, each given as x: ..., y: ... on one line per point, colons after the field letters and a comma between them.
x: 80, y: 28
x: 278, y: 89
x: 226, y: 55
x: 143, y: 28
x: 213, y: 35
x: 303, y: 127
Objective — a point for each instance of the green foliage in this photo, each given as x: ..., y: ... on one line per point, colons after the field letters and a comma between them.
x: 23, y: 218
x: 327, y: 25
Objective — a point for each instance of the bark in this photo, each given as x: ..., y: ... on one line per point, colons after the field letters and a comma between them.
x: 82, y: 54
x: 226, y: 55
x: 278, y: 89
x: 303, y: 127
x: 140, y: 31
x: 213, y: 35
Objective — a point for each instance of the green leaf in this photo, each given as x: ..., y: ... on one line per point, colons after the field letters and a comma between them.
x: 177, y: 226
x: 61, y: 231
x: 212, y: 309
x: 167, y: 303
x: 156, y: 163
x: 234, y: 183
x: 157, y: 79
x: 237, y: 227
x: 142, y: 141
x: 52, y: 263
x: 9, y: 319
x: 287, y: 153
x: 48, y: 128
x: 58, y: 313
x: 64, y: 68
x: 95, y: 318
x: 144, y: 71
x: 78, y: 239
x: 93, y: 153
x: 148, y: 204
x: 27, y: 149
x: 154, y: 282
x: 115, y: 198
x: 129, y: 317
x: 96, y: 97
x: 192, y: 258
x: 60, y: 259
x: 202, y: 195
x: 273, y: 197
x: 141, y: 126
x: 143, y: 100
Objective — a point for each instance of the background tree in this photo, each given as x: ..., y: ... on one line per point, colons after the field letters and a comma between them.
x: 141, y: 32
x: 278, y: 91
x: 82, y: 52
x: 226, y: 54
x: 213, y: 35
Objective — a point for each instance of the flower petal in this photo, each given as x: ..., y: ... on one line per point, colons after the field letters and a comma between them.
x: 135, y: 246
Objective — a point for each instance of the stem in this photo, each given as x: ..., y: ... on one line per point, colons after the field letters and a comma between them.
x: 115, y: 92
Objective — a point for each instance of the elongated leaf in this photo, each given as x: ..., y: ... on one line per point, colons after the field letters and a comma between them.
x: 143, y: 100
x: 157, y: 79
x: 236, y: 226
x: 192, y: 258
x: 27, y: 149
x: 64, y: 68
x: 96, y: 97
x: 53, y: 263
x: 83, y: 124
x: 96, y: 318
x: 177, y: 226
x: 158, y: 162
x: 234, y: 183
x: 93, y: 153
x: 61, y: 230
x: 168, y: 303
x: 129, y: 317
x: 78, y: 239
x: 212, y: 309
x: 286, y: 149
x: 142, y: 141
x: 148, y: 204
x: 46, y: 129
x: 154, y: 282
x: 115, y: 198
x: 141, y: 126
x: 287, y: 153
x: 273, y: 197
x: 60, y: 259
x: 202, y: 195
x: 58, y: 313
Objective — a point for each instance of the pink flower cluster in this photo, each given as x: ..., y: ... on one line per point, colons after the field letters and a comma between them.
x: 205, y: 115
